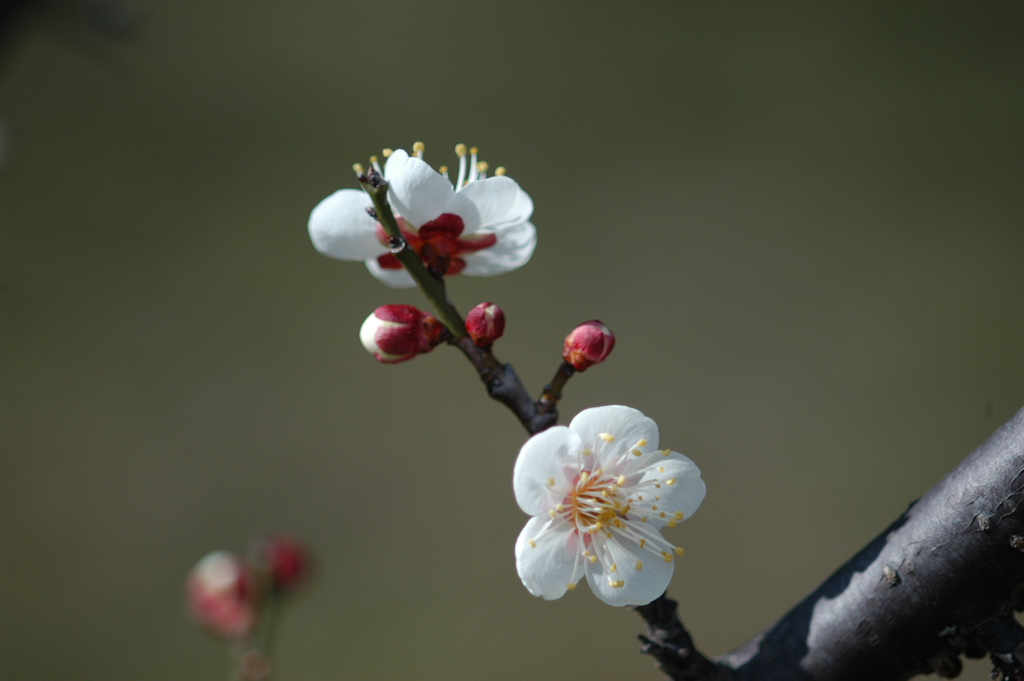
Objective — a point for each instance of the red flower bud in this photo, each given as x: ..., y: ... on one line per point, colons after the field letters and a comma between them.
x: 395, y: 333
x: 223, y: 595
x: 284, y: 560
x: 588, y: 344
x: 485, y: 323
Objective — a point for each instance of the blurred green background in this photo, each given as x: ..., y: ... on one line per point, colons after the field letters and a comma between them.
x: 804, y: 222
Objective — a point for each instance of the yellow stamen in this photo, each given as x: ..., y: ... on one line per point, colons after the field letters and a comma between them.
x: 661, y: 469
x: 666, y: 556
x: 460, y: 150
x: 641, y: 442
x: 621, y: 481
x: 551, y: 482
x: 616, y: 585
x: 670, y: 481
x: 660, y: 515
x: 442, y: 169
x: 586, y: 452
x: 614, y: 567
x: 499, y: 171
x: 559, y: 507
x: 358, y: 167
x: 672, y: 522
x: 679, y: 550
x: 584, y: 475
x: 481, y: 167
x: 418, y: 147
x: 642, y: 542
x: 373, y: 159
x: 532, y: 543
x: 386, y: 153
x: 592, y: 559
x: 474, y: 150
x: 639, y: 565
x: 570, y: 587
x: 679, y: 515
x: 637, y: 452
x: 552, y: 513
x: 666, y: 452
x: 607, y: 437
x: 654, y: 507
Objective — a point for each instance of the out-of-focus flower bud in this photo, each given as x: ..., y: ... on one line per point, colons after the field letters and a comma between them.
x: 485, y: 324
x: 588, y: 344
x: 284, y: 560
x: 223, y: 595
x: 395, y: 333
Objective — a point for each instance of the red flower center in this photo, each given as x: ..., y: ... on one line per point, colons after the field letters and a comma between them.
x: 439, y: 243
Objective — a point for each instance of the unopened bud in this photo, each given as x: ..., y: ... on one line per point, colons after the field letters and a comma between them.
x: 485, y: 323
x: 223, y: 595
x: 588, y: 344
x: 284, y: 561
x: 395, y: 333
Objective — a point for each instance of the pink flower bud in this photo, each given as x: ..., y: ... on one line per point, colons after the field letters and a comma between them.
x: 588, y: 344
x: 284, y: 560
x: 395, y: 333
x: 223, y: 596
x: 485, y: 323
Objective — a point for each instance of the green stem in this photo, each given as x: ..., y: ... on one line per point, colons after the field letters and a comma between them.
x: 432, y: 287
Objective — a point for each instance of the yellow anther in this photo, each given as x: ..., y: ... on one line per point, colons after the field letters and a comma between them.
x: 358, y: 167
x: 614, y: 567
x: 654, y: 507
x: 679, y: 515
x: 618, y: 523
x: 621, y: 481
x: 639, y: 565
x: 481, y: 167
x: 559, y: 507
x: 460, y: 150
x: 586, y: 452
x: 584, y: 475
x: 474, y: 150
x: 570, y: 587
x: 660, y: 515
x: 656, y: 485
x: 666, y: 452
x: 671, y: 522
x: 637, y: 452
x: 532, y: 543
x: 592, y: 559
x: 604, y: 493
x: 598, y: 525
x: 373, y: 159
x: 499, y: 171
x: 679, y: 550
x: 386, y: 153
x: 442, y: 169
x: 666, y: 556
x: 616, y: 585
x: 670, y: 481
x: 642, y: 542
x: 552, y: 513
x: 641, y: 442
x: 607, y: 437
x: 599, y: 471
x: 551, y: 482
x: 644, y: 519
x: 418, y: 147
x: 661, y: 469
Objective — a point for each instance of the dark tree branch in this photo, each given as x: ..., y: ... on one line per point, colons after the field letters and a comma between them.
x: 939, y: 582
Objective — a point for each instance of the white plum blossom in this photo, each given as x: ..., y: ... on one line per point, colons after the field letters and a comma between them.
x: 600, y: 492
x: 480, y: 226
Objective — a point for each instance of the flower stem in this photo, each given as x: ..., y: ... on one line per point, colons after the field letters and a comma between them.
x: 432, y: 287
x: 553, y: 390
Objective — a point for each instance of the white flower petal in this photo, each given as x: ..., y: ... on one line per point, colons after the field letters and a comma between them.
x: 393, y: 278
x: 638, y: 587
x: 340, y: 227
x: 628, y: 426
x: 539, y: 476
x: 687, y: 490
x: 416, y: 191
x: 491, y: 205
x: 513, y: 249
x: 546, y: 564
